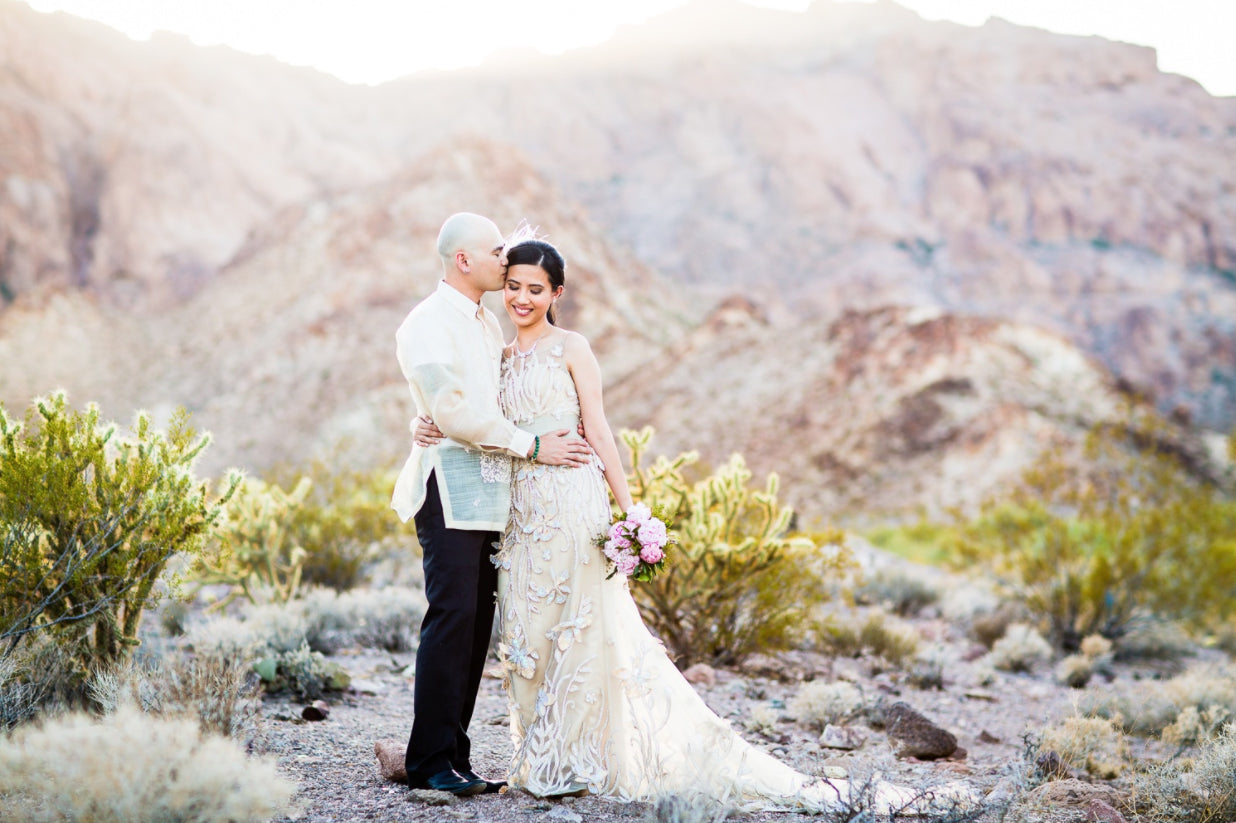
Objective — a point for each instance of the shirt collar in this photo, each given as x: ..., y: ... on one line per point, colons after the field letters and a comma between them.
x: 458, y: 300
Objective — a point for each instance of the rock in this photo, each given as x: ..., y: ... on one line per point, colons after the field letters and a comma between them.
x: 316, y: 711
x: 369, y: 687
x: 1102, y: 812
x: 916, y: 736
x: 390, y: 754
x: 701, y: 674
x: 1074, y: 794
x: 564, y: 814
x: 835, y: 773
x: 431, y: 797
x: 840, y: 737
x: 987, y: 737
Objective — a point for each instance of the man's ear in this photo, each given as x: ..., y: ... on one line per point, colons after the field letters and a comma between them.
x: 461, y: 261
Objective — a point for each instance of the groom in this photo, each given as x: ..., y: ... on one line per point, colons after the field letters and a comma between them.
x: 449, y: 349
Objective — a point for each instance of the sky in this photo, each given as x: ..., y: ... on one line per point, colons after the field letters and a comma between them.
x: 372, y: 41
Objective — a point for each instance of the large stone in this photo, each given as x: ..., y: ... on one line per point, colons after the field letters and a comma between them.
x: 916, y: 736
x: 701, y: 674
x: 391, y: 756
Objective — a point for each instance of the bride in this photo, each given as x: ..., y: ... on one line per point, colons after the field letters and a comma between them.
x: 597, y: 706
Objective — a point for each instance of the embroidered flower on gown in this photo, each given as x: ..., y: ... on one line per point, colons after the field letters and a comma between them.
x: 595, y: 700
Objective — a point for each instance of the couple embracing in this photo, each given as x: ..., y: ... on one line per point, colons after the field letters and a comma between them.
x: 508, y: 497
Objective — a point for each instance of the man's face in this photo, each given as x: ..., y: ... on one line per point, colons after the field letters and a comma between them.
x: 489, y: 265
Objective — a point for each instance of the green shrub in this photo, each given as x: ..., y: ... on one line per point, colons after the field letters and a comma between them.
x: 1130, y: 529
x: 253, y: 551
x: 736, y: 582
x: 344, y: 523
x: 130, y: 767
x: 88, y: 522
x: 893, y: 640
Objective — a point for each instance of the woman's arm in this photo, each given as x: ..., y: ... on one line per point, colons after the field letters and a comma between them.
x: 586, y: 373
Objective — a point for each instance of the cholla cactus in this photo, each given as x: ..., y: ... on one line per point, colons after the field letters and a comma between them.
x: 89, y: 519
x: 253, y: 551
x: 737, y: 581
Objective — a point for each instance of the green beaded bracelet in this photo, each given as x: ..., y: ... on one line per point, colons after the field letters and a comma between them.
x: 537, y: 448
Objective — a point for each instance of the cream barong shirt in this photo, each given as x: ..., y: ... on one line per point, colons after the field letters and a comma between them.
x: 450, y: 351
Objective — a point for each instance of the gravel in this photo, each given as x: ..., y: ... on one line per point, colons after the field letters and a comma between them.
x: 334, y: 764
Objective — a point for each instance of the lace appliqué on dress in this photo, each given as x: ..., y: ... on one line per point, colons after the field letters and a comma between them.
x: 495, y: 467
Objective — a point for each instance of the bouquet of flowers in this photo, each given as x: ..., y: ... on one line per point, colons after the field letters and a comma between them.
x: 636, y: 543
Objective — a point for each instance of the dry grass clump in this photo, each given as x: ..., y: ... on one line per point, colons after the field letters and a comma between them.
x: 1154, y: 640
x: 221, y: 692
x: 40, y: 678
x: 1020, y: 649
x: 1200, y: 791
x: 1094, y: 744
x: 1076, y: 670
x: 130, y: 767
x: 818, y: 704
x: 989, y: 626
x: 1151, y: 708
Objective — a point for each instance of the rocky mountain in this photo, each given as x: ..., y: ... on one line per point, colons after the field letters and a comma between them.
x: 911, y: 251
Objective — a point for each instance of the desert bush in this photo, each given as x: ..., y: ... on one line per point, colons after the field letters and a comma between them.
x: 928, y: 667
x: 1151, y: 707
x: 878, y: 634
x: 989, y: 626
x: 130, y: 767
x: 39, y: 679
x: 88, y: 522
x: 1075, y: 671
x: 344, y: 523
x: 387, y: 618
x: 736, y: 582
x: 1202, y: 791
x: 1020, y: 650
x: 1135, y: 529
x: 219, y: 691
x: 818, y: 704
x: 254, y: 552
x: 1193, y: 727
x: 1154, y: 640
x: 898, y: 590
x: 1094, y: 744
x: 888, y: 637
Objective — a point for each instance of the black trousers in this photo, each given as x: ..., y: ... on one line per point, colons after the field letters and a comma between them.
x: 461, y: 586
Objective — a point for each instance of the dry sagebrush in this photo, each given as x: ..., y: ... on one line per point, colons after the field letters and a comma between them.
x: 131, y: 767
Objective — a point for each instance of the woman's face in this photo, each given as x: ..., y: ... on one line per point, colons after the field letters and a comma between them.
x: 528, y: 294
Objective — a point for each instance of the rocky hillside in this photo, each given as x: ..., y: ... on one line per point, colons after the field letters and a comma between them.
x: 909, y: 249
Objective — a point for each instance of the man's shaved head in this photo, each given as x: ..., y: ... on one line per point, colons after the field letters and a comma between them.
x: 467, y: 232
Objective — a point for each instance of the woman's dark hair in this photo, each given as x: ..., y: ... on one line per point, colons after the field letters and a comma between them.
x: 542, y: 254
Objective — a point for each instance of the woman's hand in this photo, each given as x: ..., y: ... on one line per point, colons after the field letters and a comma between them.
x: 425, y: 433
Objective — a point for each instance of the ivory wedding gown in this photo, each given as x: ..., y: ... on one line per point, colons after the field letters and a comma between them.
x: 595, y: 701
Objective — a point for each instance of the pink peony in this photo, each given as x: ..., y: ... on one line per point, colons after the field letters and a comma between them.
x: 618, y: 531
x: 639, y: 513
x: 652, y: 533
x: 651, y: 554
x: 626, y: 563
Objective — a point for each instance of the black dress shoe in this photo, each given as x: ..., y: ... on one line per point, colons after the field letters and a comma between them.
x: 491, y: 786
x: 449, y: 781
